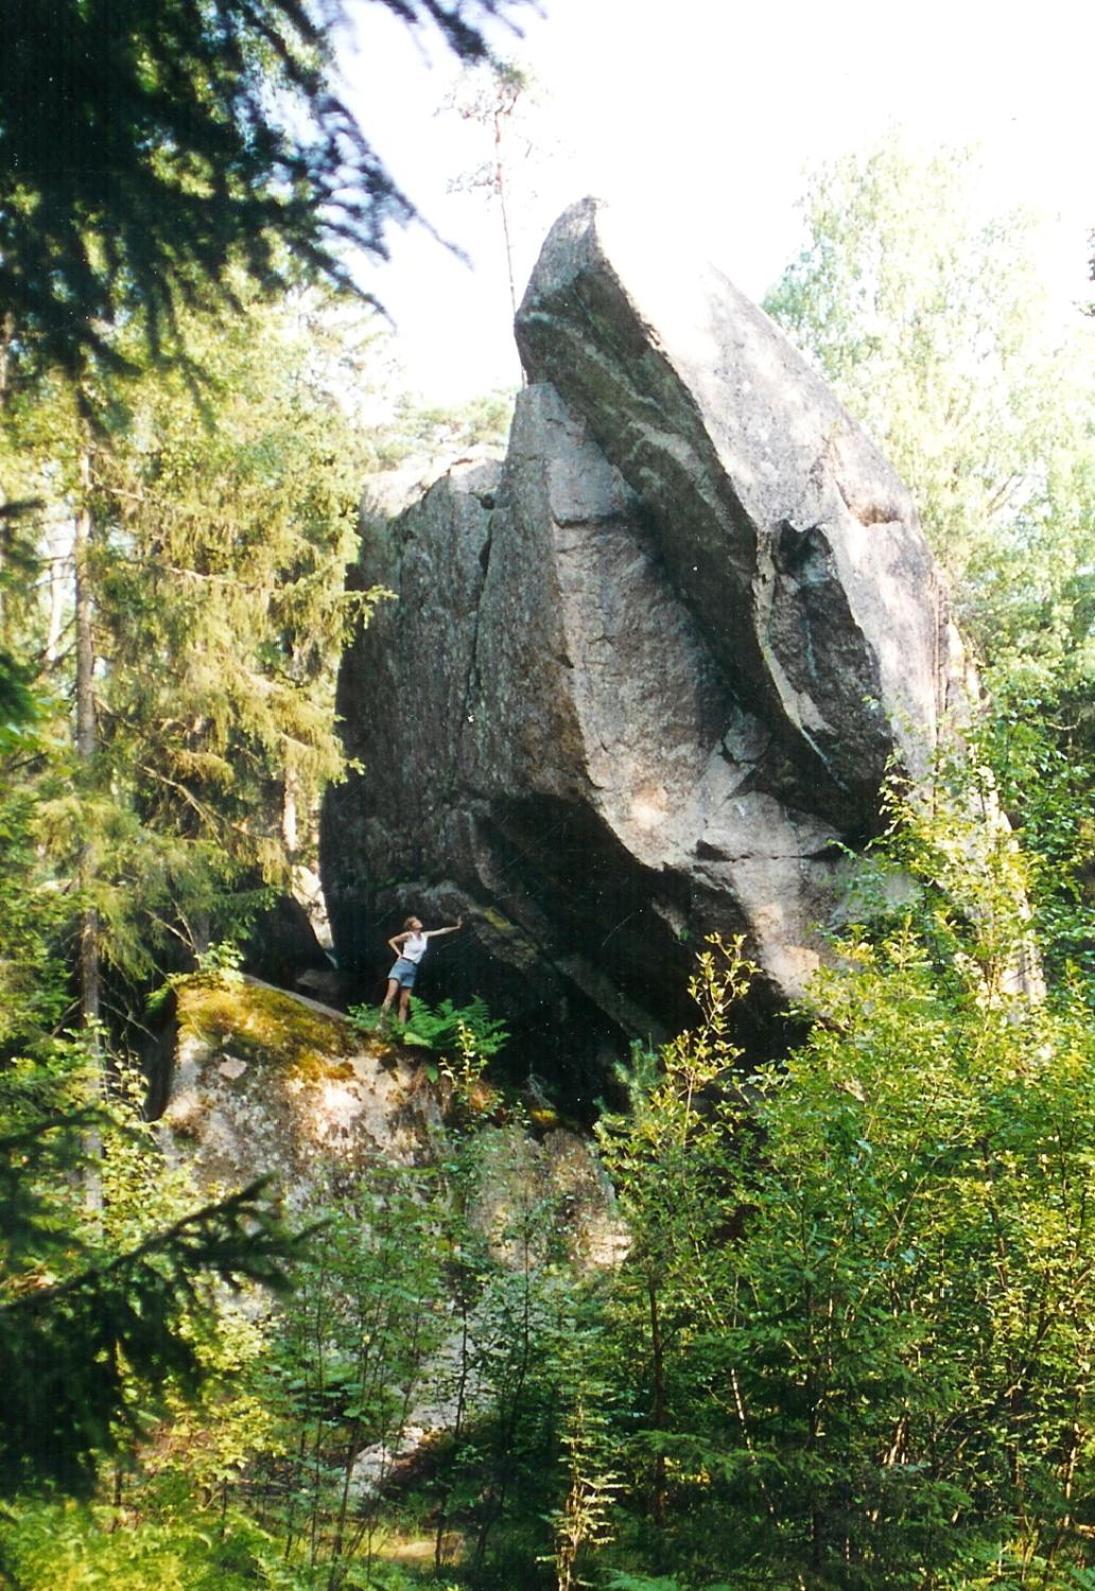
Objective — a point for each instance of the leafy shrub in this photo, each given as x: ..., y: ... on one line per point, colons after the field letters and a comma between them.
x: 858, y: 1310
x: 442, y: 1027
x: 64, y: 1547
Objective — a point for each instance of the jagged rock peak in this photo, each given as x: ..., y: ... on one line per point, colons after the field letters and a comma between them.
x: 790, y: 537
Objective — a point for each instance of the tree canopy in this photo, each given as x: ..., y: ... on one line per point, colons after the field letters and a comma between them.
x: 147, y: 145
x: 928, y: 315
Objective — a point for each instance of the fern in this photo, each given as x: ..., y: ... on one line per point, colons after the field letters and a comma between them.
x: 440, y: 1027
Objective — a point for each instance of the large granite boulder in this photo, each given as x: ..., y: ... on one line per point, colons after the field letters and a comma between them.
x: 644, y: 678
x: 270, y: 1083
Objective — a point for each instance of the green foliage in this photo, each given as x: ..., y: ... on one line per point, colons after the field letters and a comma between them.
x: 1041, y: 750
x: 109, y: 1274
x: 59, y: 1547
x: 927, y: 316
x: 222, y: 960
x: 445, y: 1027
x: 510, y: 1381
x: 33, y: 992
x: 583, y: 1522
x: 856, y: 1319
x: 441, y: 434
x: 149, y: 148
x: 222, y: 550
x: 32, y: 973
x: 851, y: 1342
x: 348, y: 1363
x: 450, y: 1027
x: 18, y: 705
x: 428, y: 1289
x: 641, y: 1582
x: 83, y: 1358
x: 219, y: 540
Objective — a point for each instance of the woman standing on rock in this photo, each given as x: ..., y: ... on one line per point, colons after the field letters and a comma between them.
x: 408, y: 948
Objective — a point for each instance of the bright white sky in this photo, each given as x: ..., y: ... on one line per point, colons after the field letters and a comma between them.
x: 713, y: 108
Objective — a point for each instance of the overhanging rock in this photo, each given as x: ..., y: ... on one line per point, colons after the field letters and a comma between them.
x: 645, y: 677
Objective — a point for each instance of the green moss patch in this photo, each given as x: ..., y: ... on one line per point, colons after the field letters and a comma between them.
x: 267, y: 1027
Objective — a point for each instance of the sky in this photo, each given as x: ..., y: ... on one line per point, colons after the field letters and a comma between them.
x: 707, y: 115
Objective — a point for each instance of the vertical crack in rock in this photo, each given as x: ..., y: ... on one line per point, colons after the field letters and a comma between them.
x: 471, y: 679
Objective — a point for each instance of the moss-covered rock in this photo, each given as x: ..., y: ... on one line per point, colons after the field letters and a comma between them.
x: 268, y: 1026
x: 269, y: 1082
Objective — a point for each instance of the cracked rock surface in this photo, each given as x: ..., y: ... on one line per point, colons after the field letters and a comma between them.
x: 644, y: 677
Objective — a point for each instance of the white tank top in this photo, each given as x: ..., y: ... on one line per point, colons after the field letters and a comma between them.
x: 414, y: 948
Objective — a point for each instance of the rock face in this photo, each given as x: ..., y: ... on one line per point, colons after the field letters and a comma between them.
x: 265, y: 1081
x: 644, y: 678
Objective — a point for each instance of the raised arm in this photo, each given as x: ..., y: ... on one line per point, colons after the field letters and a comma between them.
x: 453, y: 928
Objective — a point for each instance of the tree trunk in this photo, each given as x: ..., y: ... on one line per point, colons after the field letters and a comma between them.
x: 86, y: 734
x: 290, y: 827
x: 457, y: 1438
x: 88, y: 967
x: 500, y: 188
x: 59, y: 574
x: 658, y: 1412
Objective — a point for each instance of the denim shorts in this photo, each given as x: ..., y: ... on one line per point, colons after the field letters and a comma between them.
x: 404, y: 972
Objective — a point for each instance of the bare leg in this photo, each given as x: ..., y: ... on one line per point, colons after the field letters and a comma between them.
x: 393, y: 985
x: 404, y: 1004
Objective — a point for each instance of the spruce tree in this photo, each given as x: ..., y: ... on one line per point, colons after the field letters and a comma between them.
x: 150, y: 147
